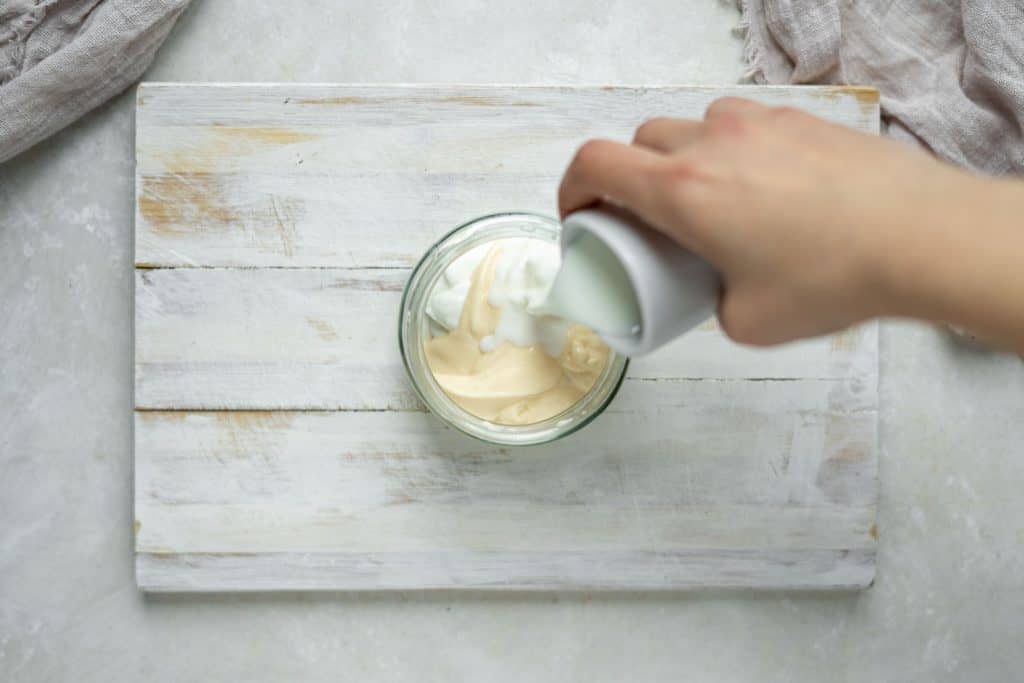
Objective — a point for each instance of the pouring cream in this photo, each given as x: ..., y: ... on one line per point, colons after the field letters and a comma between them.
x: 497, y: 352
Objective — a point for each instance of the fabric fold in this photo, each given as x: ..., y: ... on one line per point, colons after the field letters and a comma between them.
x: 951, y: 75
x: 61, y: 58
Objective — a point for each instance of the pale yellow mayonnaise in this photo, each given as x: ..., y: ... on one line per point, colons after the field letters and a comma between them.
x: 510, y: 385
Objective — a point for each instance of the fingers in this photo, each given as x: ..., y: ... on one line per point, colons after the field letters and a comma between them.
x: 733, y: 106
x: 603, y: 169
x: 623, y: 173
x: 653, y: 177
x: 668, y: 135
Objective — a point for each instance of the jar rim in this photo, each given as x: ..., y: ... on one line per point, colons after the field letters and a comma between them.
x: 454, y: 243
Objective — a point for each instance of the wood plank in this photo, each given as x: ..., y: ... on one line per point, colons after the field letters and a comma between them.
x: 327, y: 339
x: 353, y: 175
x: 659, y: 443
x: 554, y: 528
x: 666, y: 471
x: 622, y: 571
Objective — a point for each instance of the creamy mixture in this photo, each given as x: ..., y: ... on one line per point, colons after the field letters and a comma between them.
x: 495, y: 351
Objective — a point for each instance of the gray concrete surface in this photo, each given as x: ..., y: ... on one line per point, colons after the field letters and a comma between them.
x: 948, y: 604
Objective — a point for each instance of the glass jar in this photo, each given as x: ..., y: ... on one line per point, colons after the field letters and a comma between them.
x: 414, y: 332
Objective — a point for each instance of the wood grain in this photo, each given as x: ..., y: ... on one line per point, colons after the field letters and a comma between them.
x: 352, y: 176
x: 665, y: 454
x: 278, y: 446
x: 326, y: 339
x: 481, y: 570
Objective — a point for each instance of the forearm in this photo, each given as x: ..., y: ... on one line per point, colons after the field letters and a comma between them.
x: 964, y: 263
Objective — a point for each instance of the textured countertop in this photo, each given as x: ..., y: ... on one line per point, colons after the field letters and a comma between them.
x: 948, y: 604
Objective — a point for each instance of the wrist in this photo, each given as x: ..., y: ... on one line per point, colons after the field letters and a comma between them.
x: 955, y: 257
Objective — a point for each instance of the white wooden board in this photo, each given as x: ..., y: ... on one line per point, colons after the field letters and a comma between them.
x: 278, y: 446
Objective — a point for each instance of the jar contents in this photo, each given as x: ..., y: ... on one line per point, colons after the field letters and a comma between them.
x: 495, y: 349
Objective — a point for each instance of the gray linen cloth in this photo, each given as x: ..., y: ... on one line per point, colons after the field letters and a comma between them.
x: 950, y: 72
x: 61, y: 58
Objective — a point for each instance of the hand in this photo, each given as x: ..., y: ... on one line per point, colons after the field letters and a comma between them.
x: 812, y: 225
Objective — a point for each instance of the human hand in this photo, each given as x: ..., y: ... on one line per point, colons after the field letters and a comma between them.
x: 813, y: 226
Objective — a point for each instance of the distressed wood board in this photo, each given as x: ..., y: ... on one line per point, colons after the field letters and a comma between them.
x: 279, y: 447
